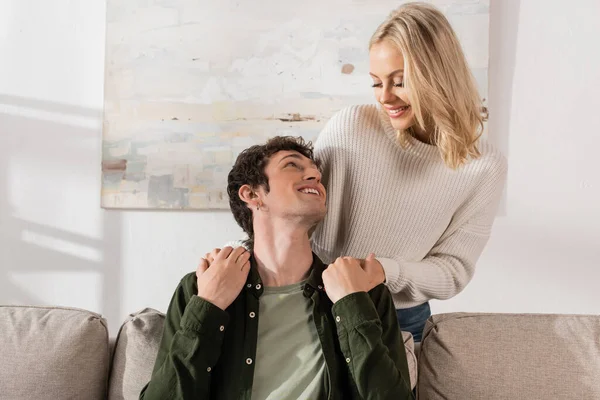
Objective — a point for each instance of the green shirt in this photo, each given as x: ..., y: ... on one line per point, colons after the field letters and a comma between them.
x: 208, y: 353
x: 289, y: 361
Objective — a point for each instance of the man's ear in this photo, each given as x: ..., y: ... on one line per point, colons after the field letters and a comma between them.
x: 249, y: 196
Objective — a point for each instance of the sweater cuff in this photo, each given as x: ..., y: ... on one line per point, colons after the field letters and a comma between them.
x: 393, y: 276
x: 237, y: 243
x: 204, y: 318
x: 353, y: 310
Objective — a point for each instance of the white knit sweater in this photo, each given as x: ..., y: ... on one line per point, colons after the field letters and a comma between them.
x: 426, y: 223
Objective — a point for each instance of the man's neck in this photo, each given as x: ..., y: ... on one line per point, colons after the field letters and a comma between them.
x: 283, y: 253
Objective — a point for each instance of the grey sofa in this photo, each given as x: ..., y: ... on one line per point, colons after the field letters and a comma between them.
x: 62, y: 353
x: 58, y: 353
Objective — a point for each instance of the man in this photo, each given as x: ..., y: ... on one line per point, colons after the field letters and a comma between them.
x: 276, y: 323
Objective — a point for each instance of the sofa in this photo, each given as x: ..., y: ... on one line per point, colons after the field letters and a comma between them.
x: 64, y: 353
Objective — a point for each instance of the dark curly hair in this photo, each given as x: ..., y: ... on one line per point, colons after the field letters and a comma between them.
x: 249, y: 169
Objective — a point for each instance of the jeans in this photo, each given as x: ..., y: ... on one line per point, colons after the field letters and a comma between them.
x: 413, y: 319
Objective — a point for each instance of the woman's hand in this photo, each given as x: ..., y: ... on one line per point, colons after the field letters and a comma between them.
x: 223, y: 281
x: 344, y: 277
x: 374, y: 270
x: 210, y: 257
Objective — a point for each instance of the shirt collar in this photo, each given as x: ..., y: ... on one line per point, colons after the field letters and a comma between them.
x: 314, y: 282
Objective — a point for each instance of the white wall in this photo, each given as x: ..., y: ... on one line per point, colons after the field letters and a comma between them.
x: 544, y: 255
x: 58, y: 247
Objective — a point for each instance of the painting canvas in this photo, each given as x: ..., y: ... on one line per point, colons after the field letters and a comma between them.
x: 189, y: 84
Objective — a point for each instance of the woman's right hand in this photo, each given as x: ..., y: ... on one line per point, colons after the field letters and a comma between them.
x: 210, y: 257
x: 223, y: 281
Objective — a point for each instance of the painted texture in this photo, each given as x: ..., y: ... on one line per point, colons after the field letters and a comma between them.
x: 190, y: 84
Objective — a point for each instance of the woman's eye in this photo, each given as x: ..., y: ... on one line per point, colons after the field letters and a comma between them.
x: 378, y: 85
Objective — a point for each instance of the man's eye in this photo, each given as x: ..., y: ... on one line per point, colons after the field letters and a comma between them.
x: 293, y: 164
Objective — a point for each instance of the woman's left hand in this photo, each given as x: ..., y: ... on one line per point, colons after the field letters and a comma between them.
x: 374, y: 270
x: 344, y: 277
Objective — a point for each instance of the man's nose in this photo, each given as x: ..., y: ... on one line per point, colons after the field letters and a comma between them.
x: 313, y: 174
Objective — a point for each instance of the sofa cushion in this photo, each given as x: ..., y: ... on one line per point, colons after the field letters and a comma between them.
x: 510, y: 356
x: 411, y: 357
x: 134, y: 354
x: 52, y: 353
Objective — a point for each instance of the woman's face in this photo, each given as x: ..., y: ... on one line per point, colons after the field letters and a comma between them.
x: 387, y: 71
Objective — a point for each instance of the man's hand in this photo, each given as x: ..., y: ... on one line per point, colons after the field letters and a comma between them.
x: 345, y: 276
x: 223, y: 281
x: 374, y: 270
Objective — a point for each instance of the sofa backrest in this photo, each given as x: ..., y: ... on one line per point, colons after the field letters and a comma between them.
x: 52, y: 353
x: 134, y: 354
x: 510, y: 356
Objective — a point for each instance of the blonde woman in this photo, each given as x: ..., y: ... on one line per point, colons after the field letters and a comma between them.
x: 409, y: 179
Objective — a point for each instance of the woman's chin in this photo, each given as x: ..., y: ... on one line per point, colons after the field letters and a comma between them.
x: 401, y: 124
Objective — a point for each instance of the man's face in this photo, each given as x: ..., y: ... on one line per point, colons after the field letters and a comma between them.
x: 295, y: 188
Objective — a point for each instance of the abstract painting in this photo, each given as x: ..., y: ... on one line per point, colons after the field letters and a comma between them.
x: 189, y: 84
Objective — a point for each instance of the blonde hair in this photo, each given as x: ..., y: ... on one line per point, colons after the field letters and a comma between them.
x: 443, y: 94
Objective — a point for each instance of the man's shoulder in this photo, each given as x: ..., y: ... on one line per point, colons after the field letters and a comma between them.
x: 188, y: 285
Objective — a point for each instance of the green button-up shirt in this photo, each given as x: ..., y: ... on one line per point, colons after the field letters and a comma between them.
x: 208, y: 353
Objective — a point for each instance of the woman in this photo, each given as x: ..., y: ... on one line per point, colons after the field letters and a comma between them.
x: 408, y: 179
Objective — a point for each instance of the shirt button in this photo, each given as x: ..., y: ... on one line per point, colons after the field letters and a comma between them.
x: 248, y: 361
x: 348, y: 360
x: 258, y: 286
x: 320, y: 287
x: 208, y: 369
x: 221, y: 328
x: 249, y: 285
x: 252, y: 315
x: 337, y: 319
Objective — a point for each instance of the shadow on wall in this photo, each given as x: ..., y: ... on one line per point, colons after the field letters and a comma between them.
x: 504, y: 29
x: 57, y: 246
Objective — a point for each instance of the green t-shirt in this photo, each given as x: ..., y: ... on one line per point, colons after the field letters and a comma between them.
x: 289, y: 358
